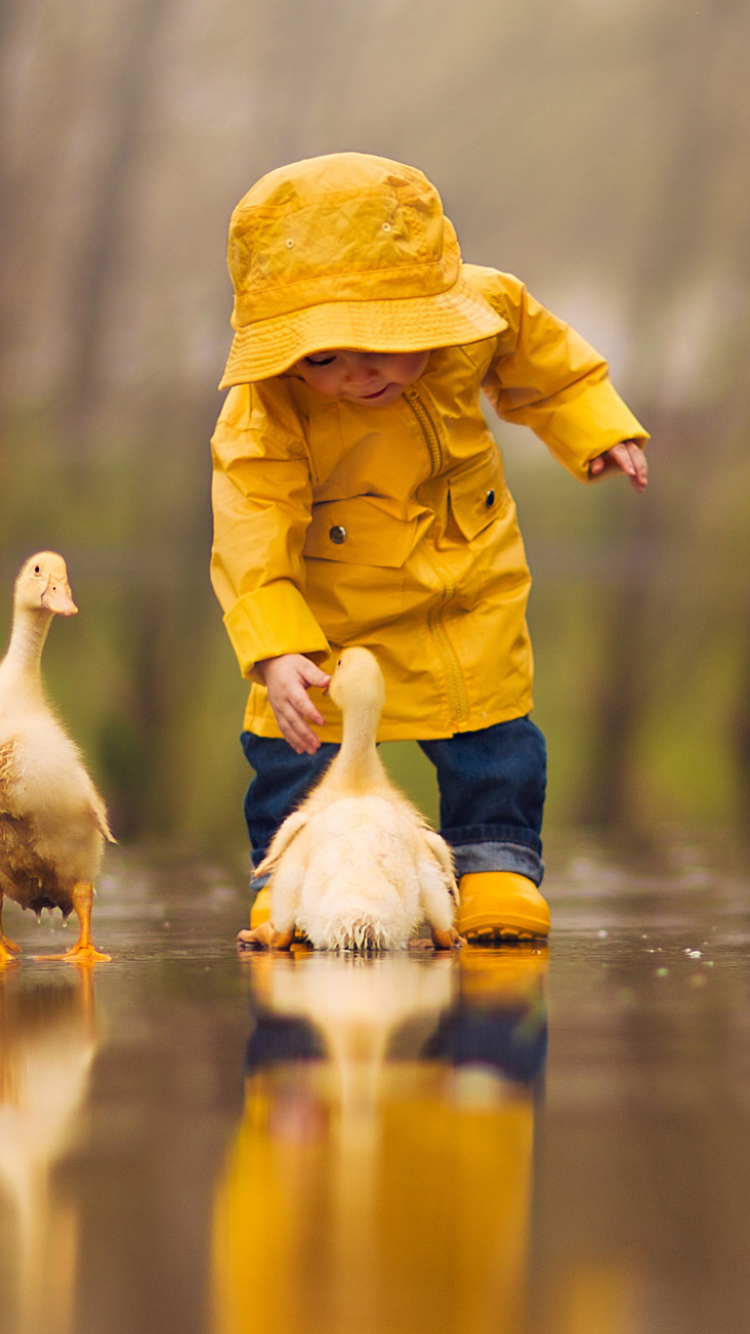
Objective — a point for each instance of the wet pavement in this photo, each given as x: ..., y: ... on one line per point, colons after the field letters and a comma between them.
x: 533, y: 1141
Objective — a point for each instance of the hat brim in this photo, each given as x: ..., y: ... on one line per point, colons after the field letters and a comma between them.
x: 405, y: 324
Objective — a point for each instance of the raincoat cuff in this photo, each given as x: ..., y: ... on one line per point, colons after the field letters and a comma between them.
x: 271, y: 621
x: 582, y: 430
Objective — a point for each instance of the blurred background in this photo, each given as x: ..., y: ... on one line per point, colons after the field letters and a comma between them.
x: 596, y: 148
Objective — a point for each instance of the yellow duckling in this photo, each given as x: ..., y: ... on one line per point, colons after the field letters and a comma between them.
x: 53, y: 822
x: 357, y: 866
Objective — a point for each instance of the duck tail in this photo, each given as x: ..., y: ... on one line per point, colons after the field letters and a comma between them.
x: 362, y: 935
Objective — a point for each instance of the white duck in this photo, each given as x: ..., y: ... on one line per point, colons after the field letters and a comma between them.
x: 357, y: 866
x: 53, y: 822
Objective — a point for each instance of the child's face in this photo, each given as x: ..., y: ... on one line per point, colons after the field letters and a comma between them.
x: 373, y: 378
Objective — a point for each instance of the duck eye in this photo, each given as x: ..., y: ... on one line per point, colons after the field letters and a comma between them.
x: 37, y: 569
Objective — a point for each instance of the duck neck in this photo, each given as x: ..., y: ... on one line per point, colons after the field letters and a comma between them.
x: 358, y: 764
x: 24, y: 657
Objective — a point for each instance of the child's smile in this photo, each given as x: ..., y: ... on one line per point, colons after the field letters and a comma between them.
x: 374, y: 378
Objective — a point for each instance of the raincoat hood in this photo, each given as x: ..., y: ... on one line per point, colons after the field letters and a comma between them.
x: 345, y: 251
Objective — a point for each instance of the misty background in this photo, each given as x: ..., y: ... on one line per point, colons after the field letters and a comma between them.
x: 596, y: 148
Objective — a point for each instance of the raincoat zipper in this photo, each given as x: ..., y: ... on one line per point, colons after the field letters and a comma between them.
x: 459, y: 704
x: 427, y: 427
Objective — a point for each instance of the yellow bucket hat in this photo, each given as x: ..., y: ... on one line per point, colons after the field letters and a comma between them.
x: 345, y: 251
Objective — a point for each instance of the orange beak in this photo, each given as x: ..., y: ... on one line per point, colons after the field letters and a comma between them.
x: 57, y: 598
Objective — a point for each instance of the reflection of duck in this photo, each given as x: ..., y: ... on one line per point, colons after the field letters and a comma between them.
x: 48, y: 1042
x: 388, y: 1186
x: 355, y: 1007
x: 52, y: 820
x: 357, y: 866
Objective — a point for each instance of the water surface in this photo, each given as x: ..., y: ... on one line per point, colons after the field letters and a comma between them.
x: 541, y: 1141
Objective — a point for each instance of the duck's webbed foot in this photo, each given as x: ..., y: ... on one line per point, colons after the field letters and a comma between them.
x: 8, y: 951
x: 80, y: 953
x: 84, y: 951
x: 447, y: 940
x: 7, y: 947
x: 264, y: 937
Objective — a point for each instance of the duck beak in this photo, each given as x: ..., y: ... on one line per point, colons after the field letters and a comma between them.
x: 57, y: 598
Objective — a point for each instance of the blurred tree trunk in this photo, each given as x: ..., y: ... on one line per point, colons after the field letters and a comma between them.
x: 739, y: 720
x: 129, y: 111
x: 679, y: 236
x: 11, y: 194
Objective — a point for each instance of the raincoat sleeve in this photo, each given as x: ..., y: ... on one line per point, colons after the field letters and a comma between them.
x: 544, y: 375
x: 262, y: 496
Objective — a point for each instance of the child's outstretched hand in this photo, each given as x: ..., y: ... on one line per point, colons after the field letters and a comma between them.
x: 287, y: 681
x: 628, y: 457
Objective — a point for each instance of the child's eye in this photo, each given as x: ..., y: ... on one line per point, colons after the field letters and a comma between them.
x: 319, y: 361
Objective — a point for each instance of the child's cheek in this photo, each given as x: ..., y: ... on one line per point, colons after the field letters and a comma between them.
x: 327, y: 382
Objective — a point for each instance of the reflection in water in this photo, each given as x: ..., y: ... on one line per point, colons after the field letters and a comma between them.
x: 381, y: 1175
x: 48, y: 1041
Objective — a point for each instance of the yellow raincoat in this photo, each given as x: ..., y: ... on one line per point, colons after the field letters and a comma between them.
x: 393, y: 528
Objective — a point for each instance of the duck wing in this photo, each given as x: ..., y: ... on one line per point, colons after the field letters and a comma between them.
x: 284, y: 836
x: 99, y: 812
x: 442, y: 854
x: 8, y: 807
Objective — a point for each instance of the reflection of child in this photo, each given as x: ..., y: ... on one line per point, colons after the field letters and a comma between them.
x: 359, y: 498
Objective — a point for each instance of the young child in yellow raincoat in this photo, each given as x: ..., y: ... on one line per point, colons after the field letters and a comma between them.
x: 359, y: 498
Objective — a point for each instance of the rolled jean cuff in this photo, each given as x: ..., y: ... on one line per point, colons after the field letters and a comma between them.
x: 257, y: 883
x: 497, y: 856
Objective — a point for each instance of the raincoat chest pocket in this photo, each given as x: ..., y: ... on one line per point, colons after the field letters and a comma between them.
x: 364, y: 530
x: 478, y: 495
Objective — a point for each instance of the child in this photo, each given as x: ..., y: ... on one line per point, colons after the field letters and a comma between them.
x: 359, y: 498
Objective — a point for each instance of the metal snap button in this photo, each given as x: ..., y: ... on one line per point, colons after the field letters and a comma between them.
x: 338, y: 534
x: 489, y: 499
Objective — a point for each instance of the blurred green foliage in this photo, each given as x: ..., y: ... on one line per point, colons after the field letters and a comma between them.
x: 596, y: 148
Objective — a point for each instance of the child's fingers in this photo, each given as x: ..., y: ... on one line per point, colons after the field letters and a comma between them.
x: 296, y: 731
x: 629, y: 458
x: 621, y: 456
x: 313, y: 676
x: 292, y: 714
x: 304, y: 706
x: 640, y: 463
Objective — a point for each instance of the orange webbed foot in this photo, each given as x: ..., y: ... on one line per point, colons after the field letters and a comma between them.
x: 264, y: 937
x: 78, y: 954
x: 447, y: 940
x: 8, y: 951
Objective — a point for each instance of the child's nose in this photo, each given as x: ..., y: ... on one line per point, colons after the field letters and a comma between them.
x: 361, y: 371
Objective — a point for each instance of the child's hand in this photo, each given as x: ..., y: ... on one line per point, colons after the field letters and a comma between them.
x: 287, y: 681
x: 629, y: 458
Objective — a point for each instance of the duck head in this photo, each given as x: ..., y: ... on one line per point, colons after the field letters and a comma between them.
x: 43, y: 585
x: 358, y: 681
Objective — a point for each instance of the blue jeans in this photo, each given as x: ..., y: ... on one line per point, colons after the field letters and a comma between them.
x: 491, y: 783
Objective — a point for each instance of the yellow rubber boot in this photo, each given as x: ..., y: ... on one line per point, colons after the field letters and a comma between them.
x: 261, y: 909
x: 497, y: 906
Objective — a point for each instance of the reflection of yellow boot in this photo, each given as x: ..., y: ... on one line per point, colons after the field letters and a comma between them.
x: 503, y: 977
x: 500, y: 906
x: 261, y: 909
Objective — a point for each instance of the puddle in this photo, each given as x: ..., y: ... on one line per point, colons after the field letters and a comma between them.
x: 519, y: 1140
